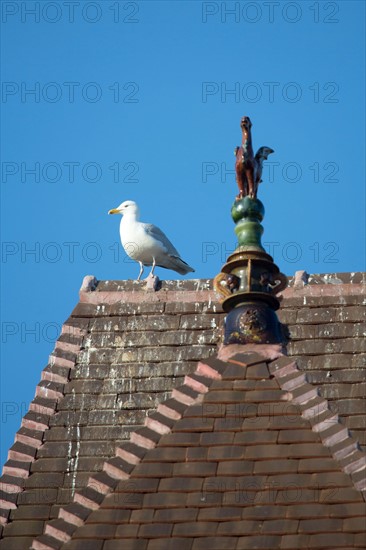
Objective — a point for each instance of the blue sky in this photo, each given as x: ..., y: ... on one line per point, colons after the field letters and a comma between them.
x: 107, y: 101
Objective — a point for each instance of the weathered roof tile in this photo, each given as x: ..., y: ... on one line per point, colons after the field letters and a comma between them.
x: 74, y: 513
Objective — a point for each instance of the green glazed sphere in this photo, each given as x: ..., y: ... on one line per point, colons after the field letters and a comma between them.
x: 247, y: 209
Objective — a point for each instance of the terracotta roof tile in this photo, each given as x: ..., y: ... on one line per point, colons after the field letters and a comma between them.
x: 167, y: 544
x: 214, y: 543
x: 14, y: 543
x: 75, y: 514
x: 45, y: 542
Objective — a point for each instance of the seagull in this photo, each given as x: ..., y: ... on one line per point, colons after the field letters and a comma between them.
x: 146, y: 243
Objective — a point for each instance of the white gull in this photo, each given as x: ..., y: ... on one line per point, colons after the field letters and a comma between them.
x: 145, y: 243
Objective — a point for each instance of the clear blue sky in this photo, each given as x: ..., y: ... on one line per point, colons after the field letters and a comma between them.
x: 143, y: 100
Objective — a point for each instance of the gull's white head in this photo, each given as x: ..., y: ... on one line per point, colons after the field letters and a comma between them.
x: 126, y: 207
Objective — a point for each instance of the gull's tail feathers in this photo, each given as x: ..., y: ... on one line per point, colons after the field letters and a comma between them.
x: 177, y: 264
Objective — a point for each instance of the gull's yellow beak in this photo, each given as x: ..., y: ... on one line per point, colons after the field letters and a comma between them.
x: 114, y: 211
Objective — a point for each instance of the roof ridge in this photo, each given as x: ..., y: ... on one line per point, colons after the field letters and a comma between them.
x: 30, y: 436
x: 299, y: 279
x: 113, y: 292
x: 130, y: 453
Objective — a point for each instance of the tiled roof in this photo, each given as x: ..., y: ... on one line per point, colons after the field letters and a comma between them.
x: 122, y: 352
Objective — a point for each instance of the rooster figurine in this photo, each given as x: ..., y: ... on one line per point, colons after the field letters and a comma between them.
x: 248, y: 167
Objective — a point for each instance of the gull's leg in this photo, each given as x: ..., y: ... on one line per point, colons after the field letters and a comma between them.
x: 153, y: 267
x: 141, y: 271
x: 152, y: 281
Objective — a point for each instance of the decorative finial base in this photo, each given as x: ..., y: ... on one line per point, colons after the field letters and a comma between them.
x: 252, y: 323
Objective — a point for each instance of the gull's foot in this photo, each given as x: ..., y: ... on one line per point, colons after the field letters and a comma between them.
x: 152, y: 282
